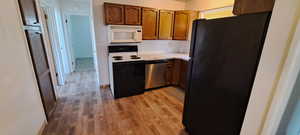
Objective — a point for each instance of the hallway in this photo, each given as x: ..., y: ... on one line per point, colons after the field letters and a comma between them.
x: 84, y: 109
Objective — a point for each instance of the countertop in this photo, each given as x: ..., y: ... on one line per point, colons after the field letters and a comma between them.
x: 162, y: 56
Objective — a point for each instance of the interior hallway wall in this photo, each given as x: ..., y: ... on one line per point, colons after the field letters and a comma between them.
x: 101, y: 30
x: 276, y: 48
x: 21, y: 108
x: 81, y: 36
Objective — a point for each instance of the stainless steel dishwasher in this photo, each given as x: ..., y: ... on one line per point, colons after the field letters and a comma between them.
x: 156, y: 74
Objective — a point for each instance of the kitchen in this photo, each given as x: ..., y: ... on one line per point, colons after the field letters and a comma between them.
x: 240, y: 62
x: 158, y: 35
x: 134, y: 72
x: 128, y: 27
x: 210, y: 57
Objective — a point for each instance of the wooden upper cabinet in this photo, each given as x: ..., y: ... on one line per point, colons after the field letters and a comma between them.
x: 150, y: 23
x: 181, y: 25
x: 29, y: 12
x: 114, y: 14
x: 252, y: 6
x: 133, y: 15
x: 166, y: 20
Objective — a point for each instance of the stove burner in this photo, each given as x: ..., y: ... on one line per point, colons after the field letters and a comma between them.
x: 135, y: 57
x: 118, y: 57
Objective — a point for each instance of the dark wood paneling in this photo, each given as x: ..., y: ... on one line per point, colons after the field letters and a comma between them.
x: 252, y: 6
x: 150, y: 23
x: 29, y: 12
x: 133, y: 15
x: 42, y: 71
x: 114, y: 13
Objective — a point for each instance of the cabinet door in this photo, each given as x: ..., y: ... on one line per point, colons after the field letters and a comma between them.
x: 114, y: 14
x: 183, y: 74
x: 150, y: 23
x: 29, y: 12
x: 176, y: 72
x: 181, y: 25
x: 252, y: 6
x: 133, y: 15
x: 166, y: 19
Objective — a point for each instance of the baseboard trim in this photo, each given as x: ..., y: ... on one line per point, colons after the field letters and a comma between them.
x: 43, y: 127
x: 104, y: 86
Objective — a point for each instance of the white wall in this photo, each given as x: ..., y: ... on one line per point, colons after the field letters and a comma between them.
x: 101, y: 31
x: 273, y: 57
x: 63, y: 10
x: 75, y: 6
x: 20, y: 104
x: 81, y: 39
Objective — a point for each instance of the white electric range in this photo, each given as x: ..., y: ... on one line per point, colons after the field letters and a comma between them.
x: 118, y: 54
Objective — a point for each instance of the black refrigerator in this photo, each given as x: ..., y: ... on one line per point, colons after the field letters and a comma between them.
x: 224, y: 55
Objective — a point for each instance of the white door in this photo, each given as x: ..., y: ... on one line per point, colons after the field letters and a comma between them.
x: 51, y: 23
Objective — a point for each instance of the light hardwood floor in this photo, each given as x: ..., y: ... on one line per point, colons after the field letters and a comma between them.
x: 84, y: 109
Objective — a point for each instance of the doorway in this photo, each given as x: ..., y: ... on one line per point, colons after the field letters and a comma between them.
x: 81, y: 42
x: 73, y: 46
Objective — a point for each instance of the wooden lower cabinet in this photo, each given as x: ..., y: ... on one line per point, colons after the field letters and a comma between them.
x: 175, y: 72
x: 183, y: 74
x: 179, y: 73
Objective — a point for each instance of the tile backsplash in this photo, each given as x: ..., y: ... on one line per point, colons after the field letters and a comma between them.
x: 164, y: 46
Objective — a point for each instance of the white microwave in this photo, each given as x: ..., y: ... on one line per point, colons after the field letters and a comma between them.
x: 125, y: 34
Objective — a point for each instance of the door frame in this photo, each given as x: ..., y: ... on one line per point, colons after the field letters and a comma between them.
x: 48, y: 54
x: 57, y: 56
x: 68, y: 41
x: 285, y: 86
x: 67, y: 28
x: 48, y: 49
